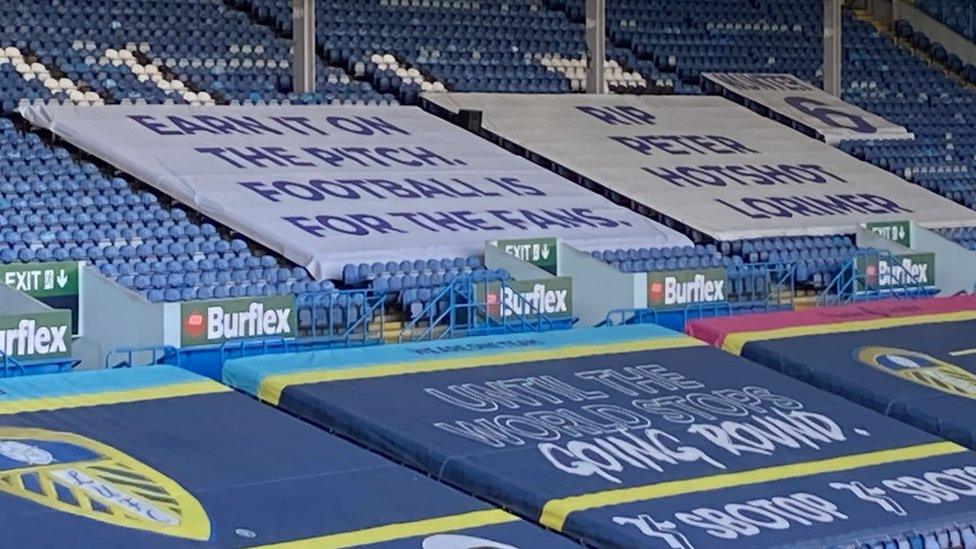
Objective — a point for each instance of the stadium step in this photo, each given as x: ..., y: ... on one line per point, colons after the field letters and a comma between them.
x: 805, y: 302
x: 863, y: 15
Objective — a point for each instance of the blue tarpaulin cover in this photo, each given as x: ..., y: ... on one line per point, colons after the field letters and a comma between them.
x: 160, y: 457
x: 914, y: 361
x: 633, y: 436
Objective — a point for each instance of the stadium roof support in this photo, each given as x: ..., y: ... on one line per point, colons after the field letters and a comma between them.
x: 303, y: 42
x: 596, y: 43
x: 832, y: 48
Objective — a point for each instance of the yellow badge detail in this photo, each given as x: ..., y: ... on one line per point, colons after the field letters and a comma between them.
x: 920, y: 368
x: 77, y: 475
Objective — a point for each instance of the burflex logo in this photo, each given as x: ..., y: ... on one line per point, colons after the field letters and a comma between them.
x: 897, y: 271
x: 871, y: 273
x: 195, y: 324
x: 552, y: 297
x: 212, y: 322
x: 676, y: 289
x: 36, y: 335
x: 657, y: 291
x: 906, y: 270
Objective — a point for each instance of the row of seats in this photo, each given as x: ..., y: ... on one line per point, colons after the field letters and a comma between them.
x: 758, y: 249
x: 960, y: 15
x: 701, y: 251
x: 354, y: 274
x: 478, y: 46
x: 921, y: 41
x: 88, y: 51
x: 817, y: 259
x: 436, y: 279
x: 964, y: 236
x: 54, y: 208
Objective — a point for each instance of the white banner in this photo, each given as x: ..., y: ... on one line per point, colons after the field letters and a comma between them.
x: 708, y: 163
x: 800, y: 102
x: 325, y: 186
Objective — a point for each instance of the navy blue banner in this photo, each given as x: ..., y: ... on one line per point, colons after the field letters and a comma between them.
x: 922, y: 374
x: 109, y: 468
x: 679, y: 446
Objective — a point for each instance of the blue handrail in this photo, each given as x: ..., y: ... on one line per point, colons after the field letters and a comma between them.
x: 342, y: 314
x: 335, y: 318
x: 11, y: 364
x: 456, y: 310
x: 849, y: 285
x: 156, y: 353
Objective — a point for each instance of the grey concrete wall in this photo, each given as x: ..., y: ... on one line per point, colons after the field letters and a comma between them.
x: 955, y: 266
x: 12, y: 301
x: 114, y: 317
x: 597, y: 287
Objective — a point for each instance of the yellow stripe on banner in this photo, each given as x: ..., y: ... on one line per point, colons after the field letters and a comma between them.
x: 555, y: 512
x: 734, y: 342
x: 401, y: 530
x: 272, y: 386
x: 111, y: 397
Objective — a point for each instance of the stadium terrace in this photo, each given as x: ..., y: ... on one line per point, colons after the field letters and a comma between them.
x: 488, y: 274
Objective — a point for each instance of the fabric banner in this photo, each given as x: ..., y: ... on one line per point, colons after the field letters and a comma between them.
x: 914, y: 360
x: 731, y: 333
x: 706, y: 162
x: 158, y: 457
x: 796, y: 101
x: 326, y: 186
x: 634, y: 436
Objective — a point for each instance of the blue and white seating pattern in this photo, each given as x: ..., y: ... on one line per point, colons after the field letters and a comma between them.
x: 354, y: 274
x: 638, y: 260
x: 461, y: 45
x: 473, y: 46
x: 155, y: 51
x: 414, y: 284
x: 818, y: 259
x: 964, y: 236
x: 53, y: 208
x: 209, y: 51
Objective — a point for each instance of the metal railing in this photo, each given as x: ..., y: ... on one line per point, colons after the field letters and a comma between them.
x: 10, y: 364
x: 333, y: 318
x: 156, y: 353
x: 11, y: 367
x: 850, y: 284
x: 342, y: 314
x: 757, y: 286
x: 649, y: 315
x: 458, y: 310
x: 263, y: 346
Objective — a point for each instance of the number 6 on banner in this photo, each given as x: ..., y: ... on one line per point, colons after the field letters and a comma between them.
x: 829, y: 116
